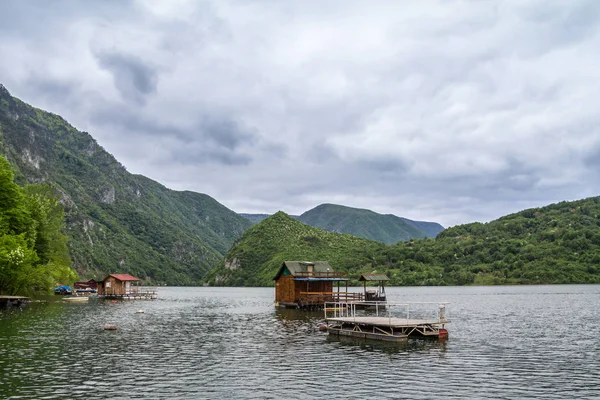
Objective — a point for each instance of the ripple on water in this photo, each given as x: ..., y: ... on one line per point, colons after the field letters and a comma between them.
x: 505, y: 342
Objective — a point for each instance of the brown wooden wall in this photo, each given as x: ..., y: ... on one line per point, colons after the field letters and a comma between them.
x: 287, y: 290
x: 319, y: 286
x: 116, y: 286
x: 284, y: 289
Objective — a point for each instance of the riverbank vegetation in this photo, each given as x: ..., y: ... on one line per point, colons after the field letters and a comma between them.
x: 33, y: 249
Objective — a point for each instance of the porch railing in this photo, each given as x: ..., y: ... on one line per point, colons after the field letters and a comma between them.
x: 321, y: 274
x: 323, y: 297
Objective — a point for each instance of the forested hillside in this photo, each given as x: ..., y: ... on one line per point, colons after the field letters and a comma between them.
x: 367, y: 224
x: 385, y: 228
x: 254, y: 259
x: 116, y: 221
x: 559, y: 243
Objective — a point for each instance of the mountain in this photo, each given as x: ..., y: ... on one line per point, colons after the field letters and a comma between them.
x: 255, y: 257
x: 430, y: 229
x: 368, y: 224
x: 116, y: 221
x: 255, y: 218
x: 559, y: 243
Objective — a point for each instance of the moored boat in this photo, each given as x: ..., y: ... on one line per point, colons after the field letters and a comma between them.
x: 76, y: 298
x: 63, y: 290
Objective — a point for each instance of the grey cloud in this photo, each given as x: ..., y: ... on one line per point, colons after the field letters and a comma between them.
x: 133, y: 78
x: 205, y: 139
x: 386, y: 165
x: 226, y: 133
x: 40, y: 18
x: 200, y: 155
x: 50, y: 88
x: 446, y: 111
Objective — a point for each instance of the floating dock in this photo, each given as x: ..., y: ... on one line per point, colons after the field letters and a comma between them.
x: 377, y: 320
x: 13, y: 301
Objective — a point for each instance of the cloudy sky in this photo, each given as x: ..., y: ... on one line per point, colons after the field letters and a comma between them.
x: 448, y: 111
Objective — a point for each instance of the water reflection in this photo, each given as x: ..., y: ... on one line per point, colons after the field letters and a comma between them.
x: 387, y: 347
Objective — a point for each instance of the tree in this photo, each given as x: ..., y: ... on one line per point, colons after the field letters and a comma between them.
x: 33, y: 251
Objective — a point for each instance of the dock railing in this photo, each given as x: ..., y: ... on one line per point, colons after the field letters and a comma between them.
x: 432, y: 311
x: 325, y: 297
x: 142, y: 290
x: 133, y: 292
x: 322, y: 274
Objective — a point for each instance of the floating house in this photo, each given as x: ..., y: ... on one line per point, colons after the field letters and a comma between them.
x: 124, y: 286
x: 91, y: 284
x: 309, y: 284
x: 86, y: 287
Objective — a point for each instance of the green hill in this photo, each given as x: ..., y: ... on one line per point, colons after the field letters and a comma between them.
x: 255, y: 257
x: 559, y: 243
x: 116, y: 221
x: 368, y: 224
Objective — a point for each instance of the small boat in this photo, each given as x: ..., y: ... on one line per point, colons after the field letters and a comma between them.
x: 76, y: 298
x: 63, y: 290
x: 86, y: 291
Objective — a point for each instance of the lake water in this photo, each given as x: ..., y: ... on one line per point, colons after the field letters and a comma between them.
x: 506, y: 342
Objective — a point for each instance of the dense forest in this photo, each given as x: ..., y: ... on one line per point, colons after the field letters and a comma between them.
x: 33, y: 248
x: 559, y: 243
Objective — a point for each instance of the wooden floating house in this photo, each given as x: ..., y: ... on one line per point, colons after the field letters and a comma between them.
x: 309, y: 284
x: 86, y: 287
x: 346, y: 319
x: 125, y: 287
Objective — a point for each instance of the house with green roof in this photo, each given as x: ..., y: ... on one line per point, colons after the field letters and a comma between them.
x: 307, y: 284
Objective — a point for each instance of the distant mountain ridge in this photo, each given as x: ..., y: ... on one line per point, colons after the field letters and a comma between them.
x: 255, y: 218
x: 116, y: 221
x: 384, y: 228
x: 558, y: 243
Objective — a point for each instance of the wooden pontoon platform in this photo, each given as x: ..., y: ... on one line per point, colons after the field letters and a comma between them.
x: 377, y: 322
